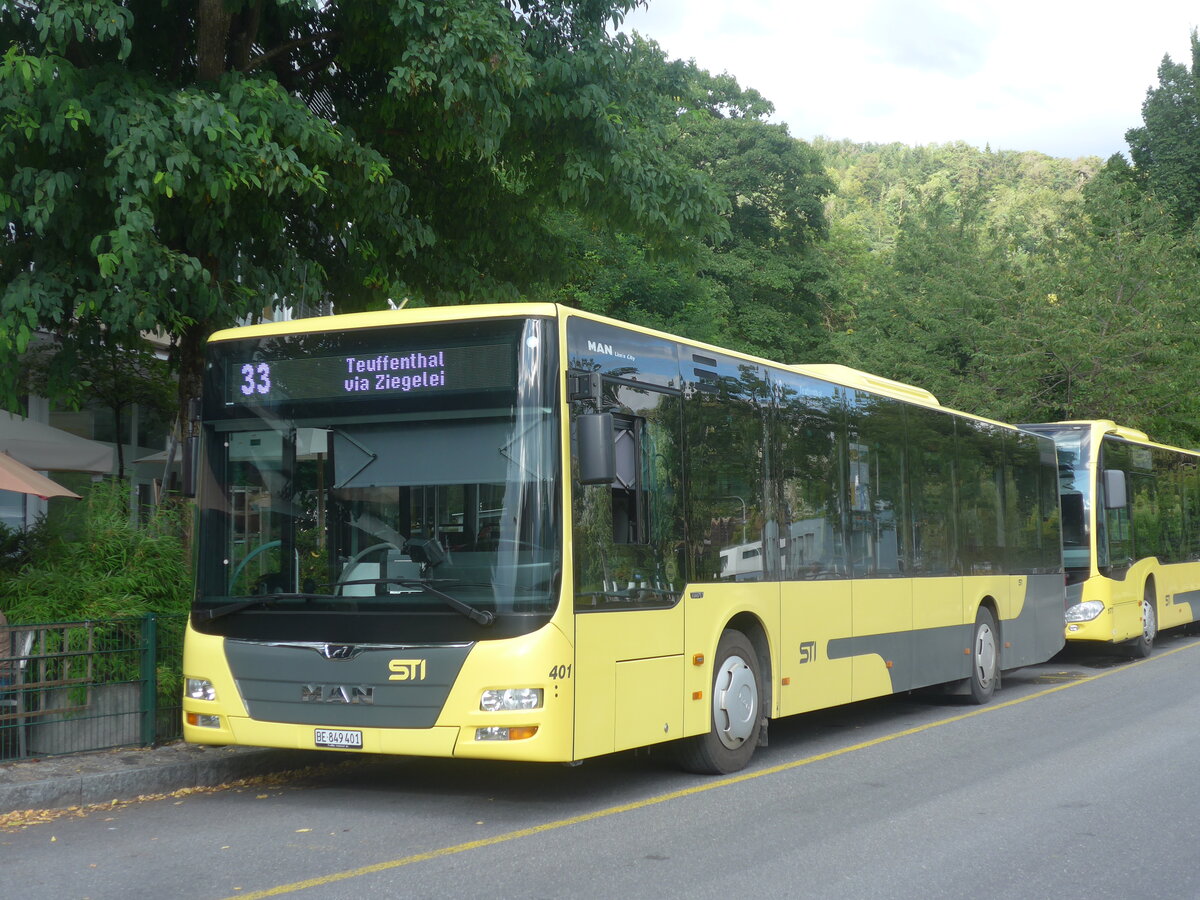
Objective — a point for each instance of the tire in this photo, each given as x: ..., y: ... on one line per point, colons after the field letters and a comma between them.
x: 985, y: 657
x: 736, y: 712
x: 1142, y: 647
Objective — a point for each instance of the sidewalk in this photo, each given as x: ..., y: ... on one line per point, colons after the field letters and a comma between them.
x: 83, y: 779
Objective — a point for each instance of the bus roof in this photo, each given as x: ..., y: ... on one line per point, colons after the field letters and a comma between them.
x: 876, y: 384
x: 829, y: 372
x: 384, y: 317
x: 1108, y: 426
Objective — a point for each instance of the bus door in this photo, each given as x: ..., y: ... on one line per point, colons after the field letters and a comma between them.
x: 628, y: 543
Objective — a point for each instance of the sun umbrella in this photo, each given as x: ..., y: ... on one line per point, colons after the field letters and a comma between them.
x: 41, y: 445
x: 15, y: 476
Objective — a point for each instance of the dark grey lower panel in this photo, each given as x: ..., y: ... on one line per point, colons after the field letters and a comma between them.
x: 919, y: 658
x: 1038, y: 632
x: 931, y: 656
x: 376, y: 687
x: 1192, y: 597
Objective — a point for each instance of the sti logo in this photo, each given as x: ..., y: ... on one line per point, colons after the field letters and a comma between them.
x: 406, y: 670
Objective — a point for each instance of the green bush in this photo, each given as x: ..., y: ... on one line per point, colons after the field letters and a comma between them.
x: 106, y: 571
x: 112, y: 568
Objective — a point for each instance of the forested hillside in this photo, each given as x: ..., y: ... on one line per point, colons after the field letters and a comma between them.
x: 1026, y: 287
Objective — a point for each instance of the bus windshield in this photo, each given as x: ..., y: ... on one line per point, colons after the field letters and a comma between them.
x: 436, y: 501
x: 1073, y: 446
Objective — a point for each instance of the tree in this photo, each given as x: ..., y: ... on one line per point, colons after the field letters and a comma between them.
x: 1105, y: 331
x: 97, y: 368
x: 767, y: 265
x: 928, y: 311
x: 754, y: 285
x: 182, y: 172
x: 1166, y: 148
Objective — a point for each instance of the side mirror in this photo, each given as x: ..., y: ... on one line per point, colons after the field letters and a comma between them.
x: 1116, y: 495
x: 190, y: 464
x: 594, y: 445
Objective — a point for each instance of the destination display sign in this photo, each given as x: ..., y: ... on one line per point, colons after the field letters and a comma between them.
x: 359, y: 375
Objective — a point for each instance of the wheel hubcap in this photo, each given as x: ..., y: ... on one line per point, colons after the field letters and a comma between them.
x: 1149, y: 627
x: 735, y: 702
x: 985, y: 656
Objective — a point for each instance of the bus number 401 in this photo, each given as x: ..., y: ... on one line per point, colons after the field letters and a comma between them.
x: 560, y: 672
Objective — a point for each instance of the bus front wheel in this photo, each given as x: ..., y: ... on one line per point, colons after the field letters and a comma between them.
x: 985, y: 657
x: 736, y: 711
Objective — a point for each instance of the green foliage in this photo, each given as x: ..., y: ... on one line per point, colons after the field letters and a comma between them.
x: 754, y: 285
x: 181, y: 173
x: 110, y: 568
x: 99, y: 568
x: 931, y: 245
x: 1014, y: 285
x: 1105, y: 328
x: 1166, y: 148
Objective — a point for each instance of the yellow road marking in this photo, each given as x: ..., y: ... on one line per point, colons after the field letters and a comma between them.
x: 676, y: 795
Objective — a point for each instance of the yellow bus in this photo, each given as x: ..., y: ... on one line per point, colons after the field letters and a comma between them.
x: 1131, y: 533
x: 524, y: 532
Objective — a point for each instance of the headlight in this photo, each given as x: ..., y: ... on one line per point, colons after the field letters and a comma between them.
x: 200, y: 689
x: 1084, y: 612
x: 500, y: 733
x: 511, y: 699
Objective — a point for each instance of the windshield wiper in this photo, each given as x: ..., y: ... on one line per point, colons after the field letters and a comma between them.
x: 480, y: 616
x: 207, y: 615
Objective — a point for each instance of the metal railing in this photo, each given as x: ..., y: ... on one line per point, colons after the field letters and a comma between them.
x: 72, y: 687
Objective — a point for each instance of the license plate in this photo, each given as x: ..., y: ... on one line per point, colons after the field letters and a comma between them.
x: 339, y: 738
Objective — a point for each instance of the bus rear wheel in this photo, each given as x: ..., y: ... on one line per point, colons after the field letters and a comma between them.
x: 1143, y: 645
x: 985, y: 657
x: 736, y: 711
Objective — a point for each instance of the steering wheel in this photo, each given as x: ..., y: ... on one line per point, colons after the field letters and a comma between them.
x: 249, y: 556
x: 358, y: 557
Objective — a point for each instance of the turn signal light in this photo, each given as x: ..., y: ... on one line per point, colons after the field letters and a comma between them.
x: 500, y: 733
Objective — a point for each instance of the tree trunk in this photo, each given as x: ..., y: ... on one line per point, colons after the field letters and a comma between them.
x: 191, y: 370
x: 212, y: 35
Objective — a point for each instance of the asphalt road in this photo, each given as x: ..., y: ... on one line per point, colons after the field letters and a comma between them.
x: 1077, y: 781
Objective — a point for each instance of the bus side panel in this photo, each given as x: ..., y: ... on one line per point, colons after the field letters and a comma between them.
x: 978, y: 588
x: 939, y: 631
x: 1033, y: 632
x: 656, y: 684
x: 709, y: 609
x: 883, y: 618
x: 604, y: 639
x: 938, y: 648
x: 1179, y: 592
x: 813, y: 614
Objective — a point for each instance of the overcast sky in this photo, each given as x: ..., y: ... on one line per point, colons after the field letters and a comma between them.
x: 1063, y: 78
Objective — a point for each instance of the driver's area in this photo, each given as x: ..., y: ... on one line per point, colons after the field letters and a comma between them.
x: 395, y: 516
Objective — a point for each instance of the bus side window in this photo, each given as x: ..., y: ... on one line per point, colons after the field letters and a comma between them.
x: 628, y: 494
x: 1114, y: 538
